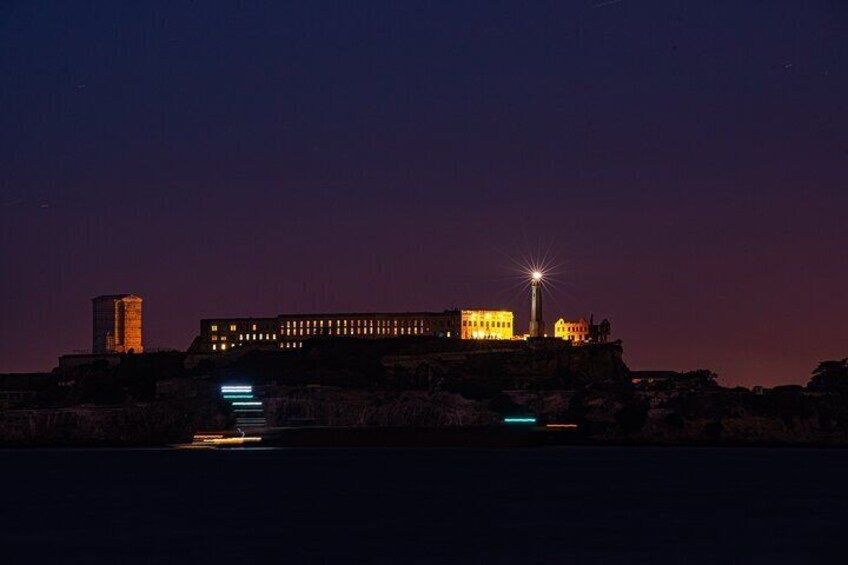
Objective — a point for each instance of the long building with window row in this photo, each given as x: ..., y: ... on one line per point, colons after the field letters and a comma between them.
x: 290, y: 330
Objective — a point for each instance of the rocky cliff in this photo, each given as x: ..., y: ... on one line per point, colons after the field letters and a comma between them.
x: 414, y: 382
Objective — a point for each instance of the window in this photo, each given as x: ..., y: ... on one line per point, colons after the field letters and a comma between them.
x: 214, y: 347
x: 232, y: 327
x: 214, y: 338
x: 214, y: 327
x: 254, y: 329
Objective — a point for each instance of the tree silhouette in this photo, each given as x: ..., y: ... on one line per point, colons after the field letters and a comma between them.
x: 830, y: 376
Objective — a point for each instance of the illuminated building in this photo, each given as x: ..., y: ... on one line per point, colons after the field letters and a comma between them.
x: 289, y: 331
x: 486, y: 324
x: 578, y: 331
x: 117, y: 324
x: 537, y: 325
x: 582, y: 331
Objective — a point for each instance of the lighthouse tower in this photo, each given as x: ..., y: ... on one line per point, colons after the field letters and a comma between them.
x: 537, y: 325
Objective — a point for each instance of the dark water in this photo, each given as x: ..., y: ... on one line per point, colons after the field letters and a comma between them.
x: 568, y: 505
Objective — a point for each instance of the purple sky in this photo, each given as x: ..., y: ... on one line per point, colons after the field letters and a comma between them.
x: 686, y: 163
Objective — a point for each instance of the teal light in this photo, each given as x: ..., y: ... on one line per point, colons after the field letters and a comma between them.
x: 519, y: 420
x: 247, y: 403
x: 237, y: 396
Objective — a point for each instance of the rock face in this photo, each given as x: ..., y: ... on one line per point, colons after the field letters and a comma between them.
x: 781, y: 416
x: 125, y: 425
x: 411, y: 382
x: 287, y: 406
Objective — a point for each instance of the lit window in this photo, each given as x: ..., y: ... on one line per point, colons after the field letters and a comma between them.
x: 214, y: 327
x: 223, y: 347
x: 214, y: 338
x: 232, y: 327
x: 214, y: 347
x: 254, y: 329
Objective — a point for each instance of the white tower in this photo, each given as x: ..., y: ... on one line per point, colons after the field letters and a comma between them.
x: 537, y: 325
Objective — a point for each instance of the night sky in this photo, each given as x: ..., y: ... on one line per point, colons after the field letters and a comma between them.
x: 685, y: 165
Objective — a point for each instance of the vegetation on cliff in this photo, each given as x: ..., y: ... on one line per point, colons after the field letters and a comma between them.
x: 164, y: 397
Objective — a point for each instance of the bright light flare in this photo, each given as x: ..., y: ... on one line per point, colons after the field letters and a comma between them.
x: 536, y: 275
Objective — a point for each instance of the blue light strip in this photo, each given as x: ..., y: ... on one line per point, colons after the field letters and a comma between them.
x: 236, y: 388
x: 519, y: 420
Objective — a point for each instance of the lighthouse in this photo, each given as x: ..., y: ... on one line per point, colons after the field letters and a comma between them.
x: 537, y: 325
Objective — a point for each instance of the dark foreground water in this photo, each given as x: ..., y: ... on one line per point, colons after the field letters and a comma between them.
x: 565, y: 505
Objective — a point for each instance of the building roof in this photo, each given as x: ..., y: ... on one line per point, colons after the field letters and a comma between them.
x: 114, y: 297
x: 330, y: 315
